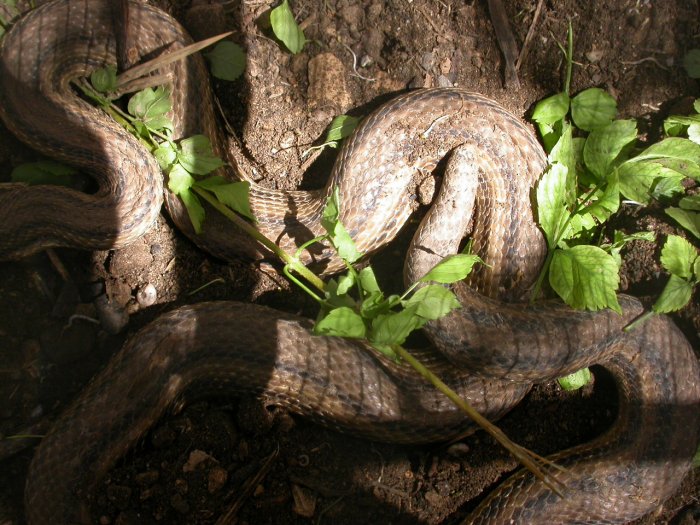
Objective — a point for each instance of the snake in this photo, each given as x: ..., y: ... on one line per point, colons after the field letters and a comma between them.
x: 489, y: 351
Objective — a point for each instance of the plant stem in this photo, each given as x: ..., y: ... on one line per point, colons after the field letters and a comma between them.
x: 569, y: 58
x: 529, y: 460
x: 293, y: 263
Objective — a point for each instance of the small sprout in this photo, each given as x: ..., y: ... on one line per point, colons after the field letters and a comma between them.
x: 341, y: 127
x: 286, y: 28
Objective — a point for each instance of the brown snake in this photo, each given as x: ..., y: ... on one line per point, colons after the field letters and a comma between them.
x: 216, y: 347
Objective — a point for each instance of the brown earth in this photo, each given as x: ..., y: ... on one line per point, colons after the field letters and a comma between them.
x: 265, y: 466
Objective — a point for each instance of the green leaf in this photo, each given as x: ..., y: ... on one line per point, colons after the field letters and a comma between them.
x: 690, y: 220
x: 667, y: 187
x: 374, y: 305
x: 551, y: 109
x: 690, y: 203
x: 194, y: 209
x: 607, y: 202
x: 235, y: 195
x: 335, y: 298
x: 341, y: 322
x: 46, y: 172
x: 104, y: 79
x: 165, y: 154
x: 675, y: 295
x: 694, y: 133
x: 581, y: 229
x: 197, y: 157
x: 368, y: 280
x: 340, y: 238
x: 345, y: 283
x: 678, y: 256
x: 179, y: 180
x: 564, y: 152
x: 679, y: 154
x: 227, y: 60
x: 576, y: 380
x: 394, y: 327
x: 592, y: 109
x: 691, y: 63
x: 342, y: 126
x: 451, y: 269
x: 286, y: 29
x: 552, y: 210
x: 150, y: 106
x: 549, y: 115
x: 585, y: 277
x: 433, y: 301
x: 605, y: 145
x: 638, y: 179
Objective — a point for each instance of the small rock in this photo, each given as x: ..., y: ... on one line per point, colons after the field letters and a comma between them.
x: 327, y: 84
x: 287, y: 140
x: 147, y: 478
x: 457, y: 450
x: 443, y: 81
x: 595, y: 54
x: 181, y: 486
x: 304, y: 501
x: 146, y: 296
x: 217, y: 479
x: 195, y: 459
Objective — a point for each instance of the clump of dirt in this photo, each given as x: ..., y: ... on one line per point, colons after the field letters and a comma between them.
x: 234, y: 457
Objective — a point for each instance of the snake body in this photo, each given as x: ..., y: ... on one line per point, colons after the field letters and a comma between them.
x: 492, y: 162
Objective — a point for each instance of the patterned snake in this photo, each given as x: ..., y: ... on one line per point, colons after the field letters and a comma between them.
x: 492, y: 162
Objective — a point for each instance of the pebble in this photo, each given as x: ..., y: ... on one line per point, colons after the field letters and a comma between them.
x: 195, y: 458
x: 146, y: 295
x: 458, y: 450
x: 217, y: 479
x: 304, y: 501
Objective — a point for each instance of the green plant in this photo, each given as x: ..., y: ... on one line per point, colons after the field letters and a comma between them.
x: 595, y: 160
x: 286, y: 28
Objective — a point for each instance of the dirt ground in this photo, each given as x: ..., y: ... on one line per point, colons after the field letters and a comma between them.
x: 234, y: 460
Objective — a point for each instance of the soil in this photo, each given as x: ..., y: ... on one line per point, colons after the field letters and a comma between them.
x: 236, y: 460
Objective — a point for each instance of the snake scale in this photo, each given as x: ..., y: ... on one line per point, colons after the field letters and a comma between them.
x: 491, y: 163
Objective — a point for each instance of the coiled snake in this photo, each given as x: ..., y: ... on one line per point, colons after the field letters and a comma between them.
x: 492, y: 163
